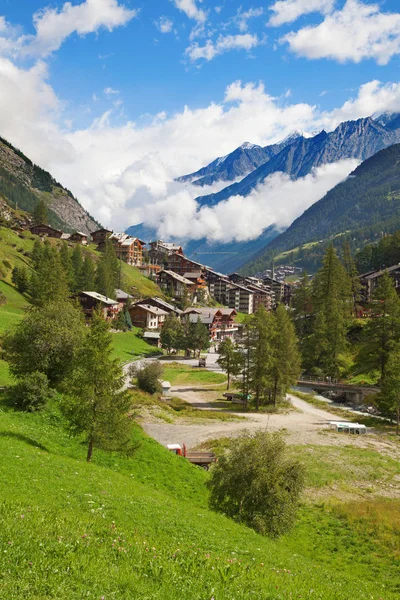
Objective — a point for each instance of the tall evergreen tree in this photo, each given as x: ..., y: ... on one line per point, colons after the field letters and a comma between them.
x: 302, y: 305
x: 389, y: 398
x: 230, y: 359
x: 331, y: 299
x: 77, y: 268
x: 108, y: 272
x: 285, y: 353
x: 383, y: 329
x: 88, y: 274
x: 261, y: 362
x: 48, y: 282
x: 65, y: 258
x: 95, y: 403
x: 37, y: 253
x: 351, y: 270
x: 40, y: 213
x: 171, y: 333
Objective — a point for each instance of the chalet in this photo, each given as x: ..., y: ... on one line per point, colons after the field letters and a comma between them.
x: 122, y: 297
x: 149, y: 270
x: 79, y: 237
x: 45, y: 231
x: 198, y: 279
x: 240, y: 298
x: 219, y: 321
x: 152, y: 338
x: 182, y: 264
x: 127, y: 248
x: 146, y: 316
x: 100, y: 237
x: 370, y: 280
x: 159, y: 303
x: 159, y: 252
x: 65, y: 237
x: 175, y: 284
x: 92, y: 301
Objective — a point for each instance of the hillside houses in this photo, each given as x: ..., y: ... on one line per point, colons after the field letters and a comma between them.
x: 128, y: 249
x: 220, y: 322
x: 370, y: 280
x: 146, y: 316
x: 175, y: 285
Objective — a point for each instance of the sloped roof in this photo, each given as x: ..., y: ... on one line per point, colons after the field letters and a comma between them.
x: 380, y: 273
x: 154, y: 310
x: 101, y: 298
x: 178, y: 277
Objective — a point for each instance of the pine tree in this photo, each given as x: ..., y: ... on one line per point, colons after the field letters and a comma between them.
x: 331, y: 301
x: 108, y: 272
x: 87, y: 275
x: 383, y: 329
x: 65, y: 258
x: 389, y: 398
x: 20, y: 279
x: 351, y: 270
x: 40, y: 214
x: 302, y: 304
x: 230, y: 359
x: 37, y: 253
x: 77, y: 268
x: 260, y: 361
x: 48, y: 282
x: 285, y: 353
x: 95, y: 403
x: 171, y: 333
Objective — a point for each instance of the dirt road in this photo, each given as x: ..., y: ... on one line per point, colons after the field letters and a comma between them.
x: 306, y: 424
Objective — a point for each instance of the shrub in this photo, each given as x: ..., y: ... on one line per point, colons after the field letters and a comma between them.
x: 7, y: 264
x: 257, y: 484
x: 148, y: 377
x: 31, y: 393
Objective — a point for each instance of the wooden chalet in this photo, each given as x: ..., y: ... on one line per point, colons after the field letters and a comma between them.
x: 198, y: 279
x: 127, y: 248
x: 46, y: 231
x: 79, y: 237
x: 146, y: 316
x: 100, y: 237
x: 219, y: 321
x: 182, y: 264
x: 159, y: 303
x: 159, y: 252
x: 122, y: 297
x: 92, y: 301
x: 370, y: 280
x: 175, y: 284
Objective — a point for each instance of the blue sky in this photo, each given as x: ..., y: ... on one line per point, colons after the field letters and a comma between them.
x: 96, y: 90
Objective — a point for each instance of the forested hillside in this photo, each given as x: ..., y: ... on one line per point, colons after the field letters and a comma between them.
x: 23, y: 184
x: 366, y: 204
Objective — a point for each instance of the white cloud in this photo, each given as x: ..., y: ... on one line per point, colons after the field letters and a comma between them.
x: 224, y: 43
x: 191, y: 10
x: 109, y: 91
x: 54, y: 26
x: 164, y: 25
x: 242, y: 18
x: 287, y: 11
x: 358, y: 31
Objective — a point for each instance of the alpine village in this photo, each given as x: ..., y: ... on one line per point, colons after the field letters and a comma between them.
x: 199, y: 344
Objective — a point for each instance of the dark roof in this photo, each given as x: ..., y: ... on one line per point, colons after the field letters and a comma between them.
x: 380, y: 273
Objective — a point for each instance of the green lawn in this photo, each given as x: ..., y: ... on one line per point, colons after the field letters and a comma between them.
x: 12, y: 311
x: 142, y: 286
x: 128, y: 346
x: 140, y: 528
x: 179, y: 374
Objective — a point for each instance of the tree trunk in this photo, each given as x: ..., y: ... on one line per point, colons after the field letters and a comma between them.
x: 90, y: 451
x: 229, y: 380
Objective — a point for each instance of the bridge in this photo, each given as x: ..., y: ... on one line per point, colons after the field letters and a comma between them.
x: 353, y: 393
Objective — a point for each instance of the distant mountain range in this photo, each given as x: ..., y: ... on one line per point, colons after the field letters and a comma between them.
x: 368, y: 201
x: 23, y: 184
x: 296, y: 156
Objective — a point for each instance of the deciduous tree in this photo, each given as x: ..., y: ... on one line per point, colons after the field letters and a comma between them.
x: 230, y: 359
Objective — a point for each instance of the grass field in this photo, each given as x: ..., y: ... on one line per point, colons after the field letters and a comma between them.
x: 180, y: 374
x: 128, y: 346
x: 140, y: 528
x: 13, y: 310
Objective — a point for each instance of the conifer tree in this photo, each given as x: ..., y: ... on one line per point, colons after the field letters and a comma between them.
x: 40, y: 214
x: 351, y: 270
x: 171, y: 333
x: 88, y: 273
x: 383, y: 329
x: 95, y: 403
x: 65, y: 258
x: 230, y: 359
x: 260, y: 362
x: 302, y: 304
x: 77, y: 268
x: 285, y: 353
x: 20, y: 279
x: 389, y: 398
x: 48, y: 282
x: 37, y: 253
x: 108, y: 272
x: 331, y: 299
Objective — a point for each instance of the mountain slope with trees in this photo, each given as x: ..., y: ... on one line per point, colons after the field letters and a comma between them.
x: 23, y: 185
x: 368, y: 198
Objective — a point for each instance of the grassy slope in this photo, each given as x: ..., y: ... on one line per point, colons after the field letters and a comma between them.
x: 128, y: 346
x: 140, y: 528
x: 179, y: 374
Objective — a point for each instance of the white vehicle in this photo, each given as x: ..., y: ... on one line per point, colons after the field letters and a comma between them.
x: 347, y: 427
